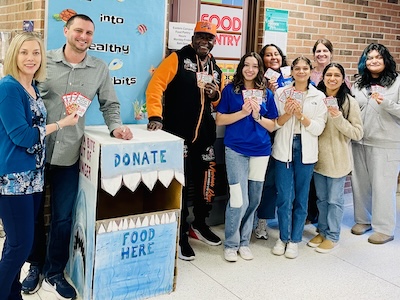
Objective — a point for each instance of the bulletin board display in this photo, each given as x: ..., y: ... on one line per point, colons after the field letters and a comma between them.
x: 129, y: 37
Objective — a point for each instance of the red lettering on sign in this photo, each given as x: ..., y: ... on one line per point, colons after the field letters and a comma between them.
x: 226, y: 23
x: 227, y: 39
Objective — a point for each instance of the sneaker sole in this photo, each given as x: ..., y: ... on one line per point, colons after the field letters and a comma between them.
x: 231, y: 259
x: 194, y: 233
x: 280, y: 253
x: 291, y: 256
x: 28, y: 292
x: 246, y: 257
x: 380, y: 242
x: 49, y: 288
x: 186, y: 258
x: 323, y: 251
x: 313, y: 245
x: 259, y: 236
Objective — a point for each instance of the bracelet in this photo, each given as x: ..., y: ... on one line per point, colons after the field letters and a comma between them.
x: 58, y: 126
x: 258, y: 118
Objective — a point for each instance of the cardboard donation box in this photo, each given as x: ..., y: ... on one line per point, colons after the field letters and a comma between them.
x: 126, y: 218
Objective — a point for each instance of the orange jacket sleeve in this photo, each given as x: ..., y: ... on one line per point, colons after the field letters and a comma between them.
x: 162, y: 76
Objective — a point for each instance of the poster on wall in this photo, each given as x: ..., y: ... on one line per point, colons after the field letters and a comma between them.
x: 129, y: 36
x: 179, y: 34
x: 229, y: 21
x: 276, y: 28
x: 229, y: 41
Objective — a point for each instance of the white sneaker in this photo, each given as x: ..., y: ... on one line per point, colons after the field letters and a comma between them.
x: 279, y: 248
x: 261, y: 230
x: 292, y: 250
x: 245, y: 253
x: 230, y: 254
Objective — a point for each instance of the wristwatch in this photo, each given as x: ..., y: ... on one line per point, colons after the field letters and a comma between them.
x: 258, y: 119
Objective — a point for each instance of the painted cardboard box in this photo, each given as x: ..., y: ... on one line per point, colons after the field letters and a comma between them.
x: 126, y: 218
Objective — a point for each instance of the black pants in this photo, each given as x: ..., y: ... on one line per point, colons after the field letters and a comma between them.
x: 312, y: 213
x: 199, y: 165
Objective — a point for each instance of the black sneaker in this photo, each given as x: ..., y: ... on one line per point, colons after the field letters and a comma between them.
x: 32, y: 281
x: 204, y: 234
x: 185, y: 250
x: 60, y: 287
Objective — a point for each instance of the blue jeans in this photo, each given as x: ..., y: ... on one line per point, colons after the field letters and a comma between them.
x: 245, y: 177
x: 18, y: 214
x: 330, y: 193
x: 63, y: 191
x: 293, y: 184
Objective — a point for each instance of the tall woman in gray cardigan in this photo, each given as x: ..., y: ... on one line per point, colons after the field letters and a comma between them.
x: 377, y: 155
x: 334, y: 157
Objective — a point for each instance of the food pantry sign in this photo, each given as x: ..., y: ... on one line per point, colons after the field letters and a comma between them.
x: 229, y: 21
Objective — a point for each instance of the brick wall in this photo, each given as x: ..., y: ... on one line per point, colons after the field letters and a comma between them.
x: 349, y: 24
x: 14, y: 12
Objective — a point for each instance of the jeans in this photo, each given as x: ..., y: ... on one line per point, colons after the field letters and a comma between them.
x: 18, y: 214
x: 293, y: 184
x: 245, y: 177
x: 63, y: 190
x: 63, y: 181
x: 330, y: 193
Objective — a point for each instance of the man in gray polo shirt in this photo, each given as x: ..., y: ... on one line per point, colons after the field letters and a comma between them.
x: 69, y: 69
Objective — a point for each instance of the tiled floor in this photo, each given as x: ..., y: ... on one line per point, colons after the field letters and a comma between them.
x: 356, y: 270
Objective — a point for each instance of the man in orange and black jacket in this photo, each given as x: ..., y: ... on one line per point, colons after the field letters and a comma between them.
x: 190, y: 82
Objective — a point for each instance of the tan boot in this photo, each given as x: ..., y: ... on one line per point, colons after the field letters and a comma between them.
x: 326, y: 246
x: 315, y: 241
x: 359, y: 229
x: 380, y: 238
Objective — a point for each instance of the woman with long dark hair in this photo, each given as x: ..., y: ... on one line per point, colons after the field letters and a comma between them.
x: 334, y: 155
x: 302, y: 117
x: 248, y: 111
x: 377, y: 155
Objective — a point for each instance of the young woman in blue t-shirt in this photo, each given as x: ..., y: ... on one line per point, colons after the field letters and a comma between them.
x: 248, y: 110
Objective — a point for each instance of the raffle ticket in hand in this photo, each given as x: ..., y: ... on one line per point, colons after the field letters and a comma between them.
x: 203, y: 78
x: 75, y: 101
x: 254, y: 94
x: 291, y: 93
x: 271, y: 74
x: 376, y: 91
x: 331, y: 102
x: 285, y: 71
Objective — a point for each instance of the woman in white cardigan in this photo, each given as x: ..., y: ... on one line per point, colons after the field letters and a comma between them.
x: 302, y: 117
x: 334, y: 158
